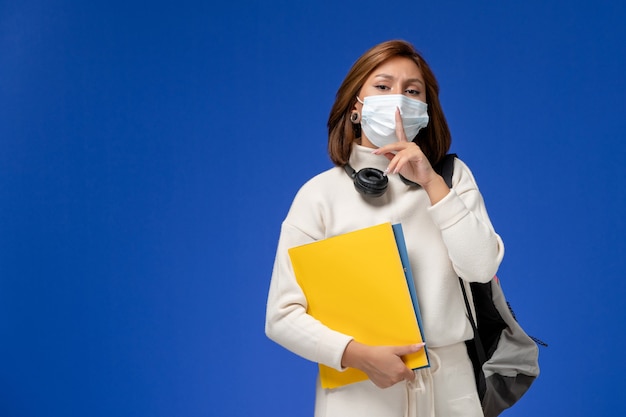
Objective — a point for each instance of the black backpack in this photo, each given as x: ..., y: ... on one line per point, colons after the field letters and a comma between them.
x: 505, y: 358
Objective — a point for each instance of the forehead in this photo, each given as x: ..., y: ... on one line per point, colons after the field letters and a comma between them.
x: 398, y: 67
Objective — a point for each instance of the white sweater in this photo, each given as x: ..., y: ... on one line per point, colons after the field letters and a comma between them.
x: 444, y: 241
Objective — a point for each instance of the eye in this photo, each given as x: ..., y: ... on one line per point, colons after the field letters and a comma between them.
x: 381, y: 87
x: 413, y: 92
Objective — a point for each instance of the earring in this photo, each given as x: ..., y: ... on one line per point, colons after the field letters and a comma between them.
x: 355, y: 117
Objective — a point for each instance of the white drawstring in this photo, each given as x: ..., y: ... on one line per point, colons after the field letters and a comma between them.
x: 420, y: 393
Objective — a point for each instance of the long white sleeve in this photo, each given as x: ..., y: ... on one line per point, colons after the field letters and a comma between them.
x: 450, y: 239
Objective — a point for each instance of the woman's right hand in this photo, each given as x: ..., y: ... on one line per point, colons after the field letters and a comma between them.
x: 382, y: 364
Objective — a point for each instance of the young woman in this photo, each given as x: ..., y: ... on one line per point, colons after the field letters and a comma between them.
x: 387, y: 116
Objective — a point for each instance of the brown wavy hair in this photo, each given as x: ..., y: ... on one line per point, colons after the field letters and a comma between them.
x: 434, y: 139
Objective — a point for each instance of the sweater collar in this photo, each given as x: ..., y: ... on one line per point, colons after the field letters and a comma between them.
x: 362, y: 157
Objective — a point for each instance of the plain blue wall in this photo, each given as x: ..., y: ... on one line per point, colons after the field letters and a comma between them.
x: 149, y: 152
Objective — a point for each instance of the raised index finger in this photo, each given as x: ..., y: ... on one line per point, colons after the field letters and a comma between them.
x: 400, y: 127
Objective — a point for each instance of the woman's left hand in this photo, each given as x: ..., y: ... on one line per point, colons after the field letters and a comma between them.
x: 407, y: 159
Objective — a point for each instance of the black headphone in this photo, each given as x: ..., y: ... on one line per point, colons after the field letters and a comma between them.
x: 372, y: 182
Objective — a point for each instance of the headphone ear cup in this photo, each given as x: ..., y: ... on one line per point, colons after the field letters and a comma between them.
x: 371, y: 182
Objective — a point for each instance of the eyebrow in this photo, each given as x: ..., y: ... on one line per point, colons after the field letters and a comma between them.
x: 390, y: 77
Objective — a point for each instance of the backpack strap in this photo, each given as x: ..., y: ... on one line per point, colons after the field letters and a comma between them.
x: 446, y: 168
x: 479, y: 350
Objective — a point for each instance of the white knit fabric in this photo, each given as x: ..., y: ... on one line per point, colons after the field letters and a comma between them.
x: 450, y: 239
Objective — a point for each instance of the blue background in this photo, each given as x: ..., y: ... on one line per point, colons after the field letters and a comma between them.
x: 149, y: 152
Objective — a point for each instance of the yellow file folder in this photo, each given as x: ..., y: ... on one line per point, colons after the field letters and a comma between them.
x: 356, y: 284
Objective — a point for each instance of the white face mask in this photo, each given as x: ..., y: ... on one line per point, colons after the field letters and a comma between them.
x: 378, y: 117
